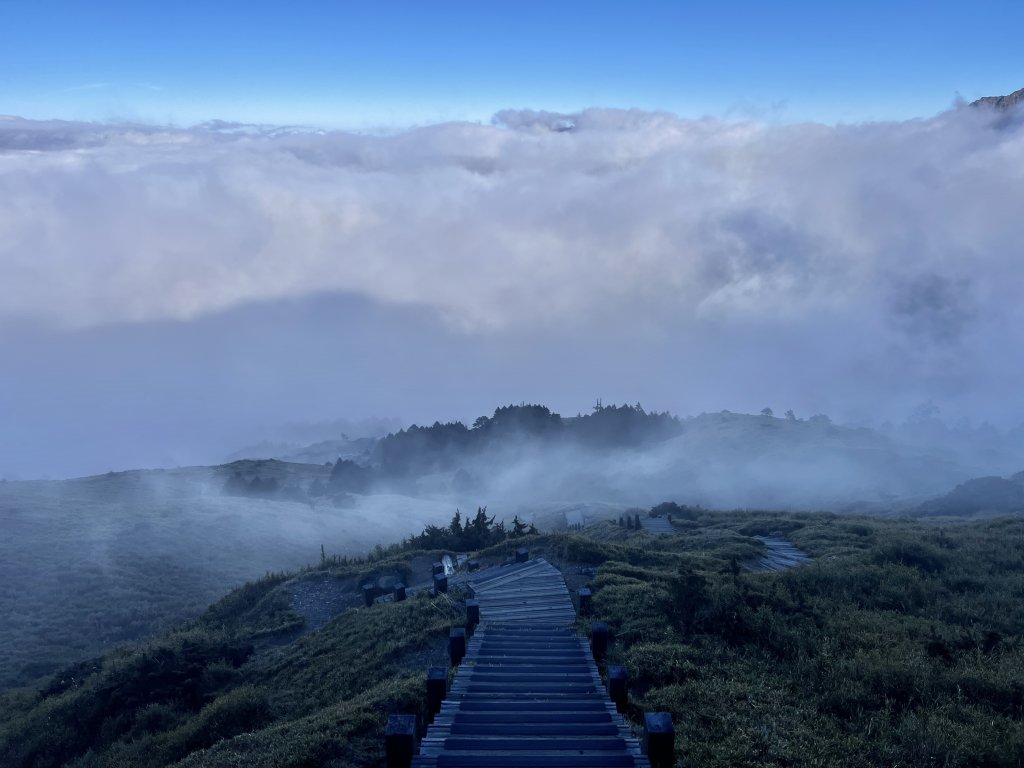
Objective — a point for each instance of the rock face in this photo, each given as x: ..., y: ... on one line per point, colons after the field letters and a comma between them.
x: 1001, y: 103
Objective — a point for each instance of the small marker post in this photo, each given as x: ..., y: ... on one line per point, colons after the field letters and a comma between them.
x: 400, y: 740
x: 660, y: 739
x: 599, y: 636
x: 437, y: 689
x: 618, y: 680
x: 584, y: 594
x: 457, y: 645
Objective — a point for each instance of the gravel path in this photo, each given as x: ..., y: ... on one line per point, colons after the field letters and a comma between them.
x: 320, y: 599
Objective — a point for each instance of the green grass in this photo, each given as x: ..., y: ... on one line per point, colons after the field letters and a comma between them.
x: 901, y: 644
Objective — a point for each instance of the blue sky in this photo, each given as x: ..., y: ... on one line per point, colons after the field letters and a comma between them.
x: 359, y: 65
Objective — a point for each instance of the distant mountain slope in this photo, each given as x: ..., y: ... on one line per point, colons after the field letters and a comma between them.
x: 357, y: 449
x: 1002, y: 103
x: 980, y: 494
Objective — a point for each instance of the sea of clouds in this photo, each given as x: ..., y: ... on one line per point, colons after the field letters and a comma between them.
x: 862, y: 268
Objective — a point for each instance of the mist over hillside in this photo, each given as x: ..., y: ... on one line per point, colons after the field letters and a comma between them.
x: 152, y: 546
x: 87, y: 563
x: 522, y: 456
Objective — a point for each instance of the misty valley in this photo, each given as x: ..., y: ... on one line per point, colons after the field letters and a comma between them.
x: 241, y: 613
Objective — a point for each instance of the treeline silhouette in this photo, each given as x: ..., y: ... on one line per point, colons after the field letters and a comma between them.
x: 443, y: 446
x: 478, y: 533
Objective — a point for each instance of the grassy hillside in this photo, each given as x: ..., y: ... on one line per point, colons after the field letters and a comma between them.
x: 89, y: 563
x: 901, y: 644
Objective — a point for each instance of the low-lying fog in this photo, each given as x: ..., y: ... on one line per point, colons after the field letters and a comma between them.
x: 85, y: 563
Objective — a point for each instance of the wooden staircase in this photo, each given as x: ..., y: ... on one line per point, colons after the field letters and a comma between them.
x: 656, y: 524
x: 528, y: 692
x: 533, y: 592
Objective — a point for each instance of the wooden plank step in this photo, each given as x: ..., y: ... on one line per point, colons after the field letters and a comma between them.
x: 537, y: 761
x: 518, y: 662
x: 521, y: 658
x: 526, y: 613
x: 530, y: 689
x: 533, y: 646
x: 551, y: 629
x: 530, y: 652
x: 537, y: 607
x: 575, y: 744
x: 656, y: 525
x: 508, y: 575
x: 504, y: 705
x: 483, y: 693
x: 534, y: 592
x: 521, y: 678
x: 532, y: 717
x: 534, y: 729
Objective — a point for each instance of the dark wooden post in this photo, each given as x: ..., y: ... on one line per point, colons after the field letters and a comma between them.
x: 622, y: 522
x: 437, y: 689
x: 399, y: 592
x: 618, y: 680
x: 400, y: 740
x: 472, y: 614
x: 629, y: 522
x: 440, y: 583
x: 599, y: 640
x: 436, y: 568
x: 457, y: 645
x: 522, y: 555
x: 637, y: 521
x: 584, y: 595
x: 368, y: 593
x: 660, y: 739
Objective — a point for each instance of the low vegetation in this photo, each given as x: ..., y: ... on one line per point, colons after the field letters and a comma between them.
x: 901, y: 644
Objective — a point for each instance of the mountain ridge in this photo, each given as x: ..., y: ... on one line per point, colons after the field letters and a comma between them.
x: 1001, y: 103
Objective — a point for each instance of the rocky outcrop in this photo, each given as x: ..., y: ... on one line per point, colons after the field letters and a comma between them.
x: 1001, y: 103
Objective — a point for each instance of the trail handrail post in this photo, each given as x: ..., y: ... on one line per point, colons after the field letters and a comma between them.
x: 400, y: 740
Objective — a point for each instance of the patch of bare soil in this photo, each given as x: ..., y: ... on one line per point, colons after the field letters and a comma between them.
x: 319, y: 599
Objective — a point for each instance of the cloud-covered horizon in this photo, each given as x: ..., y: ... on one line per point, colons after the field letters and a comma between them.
x: 827, y: 264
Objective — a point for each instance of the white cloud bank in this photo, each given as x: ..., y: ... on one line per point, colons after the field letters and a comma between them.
x: 873, y: 261
x: 909, y: 226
